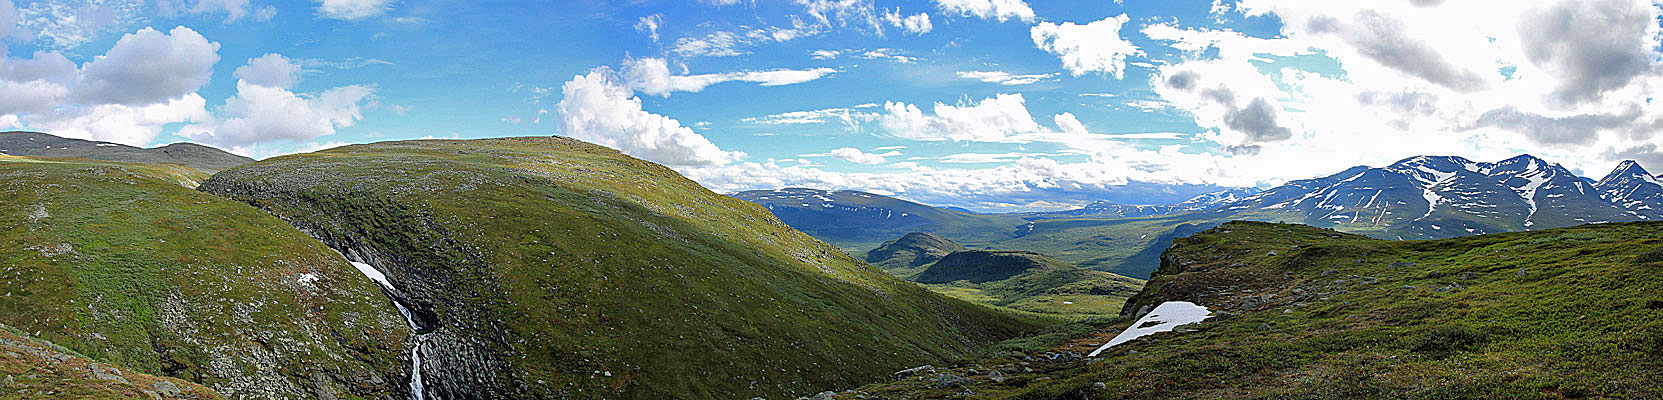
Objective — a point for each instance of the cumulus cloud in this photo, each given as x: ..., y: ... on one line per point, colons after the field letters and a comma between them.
x: 271, y: 70
x: 148, y: 67
x: 1001, y: 10
x: 120, y: 123
x: 596, y: 107
x: 1005, y: 78
x: 991, y: 120
x: 353, y: 10
x: 652, y: 76
x: 1210, y: 92
x: 916, y: 24
x: 260, y: 113
x: 1093, y: 47
x: 854, y: 155
x: 1592, y: 46
x: 264, y: 110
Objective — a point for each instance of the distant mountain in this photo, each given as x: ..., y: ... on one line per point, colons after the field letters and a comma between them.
x: 204, y: 158
x: 1115, y: 210
x: 1438, y: 197
x: 858, y: 220
x: 1632, y: 188
x: 909, y: 254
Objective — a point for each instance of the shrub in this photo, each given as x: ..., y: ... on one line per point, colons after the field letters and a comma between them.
x: 1446, y: 340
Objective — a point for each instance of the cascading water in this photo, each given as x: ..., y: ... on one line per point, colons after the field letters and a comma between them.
x: 417, y: 390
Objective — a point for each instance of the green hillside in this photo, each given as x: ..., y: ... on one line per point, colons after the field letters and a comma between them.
x: 1307, y: 313
x: 125, y: 264
x: 1028, y: 281
x: 546, y: 267
x: 908, y: 255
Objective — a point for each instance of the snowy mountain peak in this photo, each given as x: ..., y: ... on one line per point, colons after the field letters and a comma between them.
x: 1626, y: 170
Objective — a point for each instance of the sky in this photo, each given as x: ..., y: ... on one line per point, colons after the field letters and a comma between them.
x: 993, y: 105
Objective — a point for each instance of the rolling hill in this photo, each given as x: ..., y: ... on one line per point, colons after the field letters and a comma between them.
x: 127, y: 265
x: 911, y: 253
x: 1303, y: 312
x: 546, y: 267
x: 202, y: 158
x: 1027, y: 281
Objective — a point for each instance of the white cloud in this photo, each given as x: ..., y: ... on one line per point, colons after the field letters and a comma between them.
x: 120, y: 123
x: 991, y: 120
x: 264, y: 110
x: 1093, y: 47
x: 985, y: 158
x: 353, y: 10
x: 272, y: 70
x: 1001, y: 10
x: 728, y: 43
x: 649, y: 25
x: 148, y: 67
x: 849, y: 116
x: 61, y: 24
x: 258, y: 114
x: 858, y: 14
x: 854, y: 155
x: 8, y: 18
x: 233, y: 9
x: 1005, y: 78
x: 917, y: 24
x: 597, y: 108
x: 652, y: 76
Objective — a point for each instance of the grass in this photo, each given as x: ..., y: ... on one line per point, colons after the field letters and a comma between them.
x: 1307, y: 313
x: 570, y: 270
x: 125, y: 264
x: 31, y: 369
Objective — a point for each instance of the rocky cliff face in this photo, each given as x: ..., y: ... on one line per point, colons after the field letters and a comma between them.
x: 121, y: 263
x: 552, y: 268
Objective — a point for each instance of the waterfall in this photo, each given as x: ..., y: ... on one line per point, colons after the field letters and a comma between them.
x: 417, y: 390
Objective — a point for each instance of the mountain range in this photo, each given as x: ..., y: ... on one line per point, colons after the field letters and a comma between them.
x: 1425, y: 197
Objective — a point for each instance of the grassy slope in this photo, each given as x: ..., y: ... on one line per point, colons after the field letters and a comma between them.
x: 1564, y: 313
x: 1029, y: 282
x: 559, y: 259
x: 911, y: 253
x: 122, y: 263
x: 33, y: 369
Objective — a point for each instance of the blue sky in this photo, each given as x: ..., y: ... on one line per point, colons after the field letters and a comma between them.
x: 987, y: 104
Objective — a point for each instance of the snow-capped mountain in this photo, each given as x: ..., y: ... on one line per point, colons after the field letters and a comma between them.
x: 1434, y: 197
x: 1632, y: 188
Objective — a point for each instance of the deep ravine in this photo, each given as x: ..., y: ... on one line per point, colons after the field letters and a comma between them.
x: 417, y: 389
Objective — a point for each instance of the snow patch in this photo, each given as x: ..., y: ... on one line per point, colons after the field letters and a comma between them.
x: 1164, y: 318
x: 307, y: 278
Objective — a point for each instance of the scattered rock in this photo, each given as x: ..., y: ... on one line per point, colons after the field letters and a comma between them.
x: 947, y: 380
x: 1467, y: 276
x: 1272, y: 253
x: 166, y: 389
x: 996, y: 377
x: 1330, y: 272
x: 1401, y: 264
x: 914, y: 371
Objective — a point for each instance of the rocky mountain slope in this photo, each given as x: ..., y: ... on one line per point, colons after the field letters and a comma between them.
x: 552, y: 268
x: 34, y: 369
x: 125, y: 264
x: 202, y: 158
x: 1436, y: 197
x: 1302, y: 312
x: 908, y: 255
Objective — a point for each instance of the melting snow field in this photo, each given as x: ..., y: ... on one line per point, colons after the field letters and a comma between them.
x: 1164, y: 318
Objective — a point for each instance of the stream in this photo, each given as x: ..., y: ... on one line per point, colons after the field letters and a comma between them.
x: 417, y: 390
